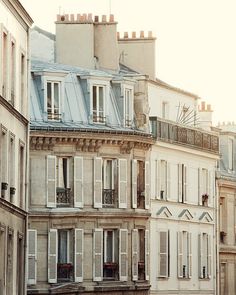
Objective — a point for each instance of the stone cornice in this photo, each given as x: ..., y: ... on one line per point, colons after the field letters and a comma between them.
x: 12, y: 208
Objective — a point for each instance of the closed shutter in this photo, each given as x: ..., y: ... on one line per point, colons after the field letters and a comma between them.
x: 32, y: 256
x: 211, y: 184
x: 180, y: 188
x: 185, y: 183
x: 147, y: 254
x: 189, y: 255
x: 158, y: 179
x: 200, y: 256
x: 200, y: 186
x: 209, y: 263
x: 134, y: 183
x: 122, y: 192
x: 163, y: 254
x: 52, y: 256
x: 79, y: 249
x: 134, y: 254
x: 168, y: 190
x: 180, y: 254
x: 97, y: 182
x: 123, y: 255
x: 51, y: 181
x: 78, y: 182
x: 97, y: 254
x: 147, y: 185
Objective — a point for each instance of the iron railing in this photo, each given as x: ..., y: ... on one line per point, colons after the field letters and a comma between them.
x: 64, y: 197
x: 109, y: 198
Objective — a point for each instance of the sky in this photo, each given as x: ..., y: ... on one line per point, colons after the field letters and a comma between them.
x: 195, y: 46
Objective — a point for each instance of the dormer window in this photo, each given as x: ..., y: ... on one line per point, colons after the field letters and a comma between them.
x: 128, y: 107
x: 98, y: 103
x: 53, y: 100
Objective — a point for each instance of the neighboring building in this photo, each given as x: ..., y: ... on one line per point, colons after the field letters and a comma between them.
x: 89, y: 165
x: 226, y: 184
x: 14, y: 44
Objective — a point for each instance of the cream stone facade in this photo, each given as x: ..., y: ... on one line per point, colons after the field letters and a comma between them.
x: 14, y: 54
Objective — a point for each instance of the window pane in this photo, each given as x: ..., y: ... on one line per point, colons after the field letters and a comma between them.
x: 49, y: 97
x: 62, y: 245
x: 56, y: 98
x: 100, y: 99
x: 94, y: 98
x: 109, y: 246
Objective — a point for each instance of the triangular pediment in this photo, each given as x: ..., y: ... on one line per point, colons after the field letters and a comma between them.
x: 185, y: 215
x: 206, y: 217
x: 164, y: 212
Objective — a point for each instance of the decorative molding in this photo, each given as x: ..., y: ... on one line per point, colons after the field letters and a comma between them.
x: 186, y: 214
x: 164, y: 212
x: 206, y: 217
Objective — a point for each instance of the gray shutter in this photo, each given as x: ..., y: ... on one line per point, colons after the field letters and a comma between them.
x: 97, y: 182
x: 134, y: 254
x: 209, y: 256
x: 78, y: 182
x: 52, y: 256
x: 180, y: 182
x: 79, y: 249
x: 147, y: 254
x: 168, y: 177
x: 185, y: 183
x: 200, y: 256
x: 147, y: 185
x: 134, y: 183
x: 189, y: 255
x: 97, y: 254
x: 123, y: 255
x: 32, y: 256
x: 51, y: 181
x: 122, y: 191
x: 200, y: 186
x: 163, y: 253
x: 180, y: 254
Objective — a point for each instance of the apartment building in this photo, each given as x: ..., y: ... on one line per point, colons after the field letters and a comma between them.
x: 226, y: 184
x: 89, y: 197
x: 14, y: 44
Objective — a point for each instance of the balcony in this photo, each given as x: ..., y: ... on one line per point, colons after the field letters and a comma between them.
x: 109, y: 198
x: 65, y: 272
x: 64, y: 197
x: 110, y: 270
x: 188, y: 136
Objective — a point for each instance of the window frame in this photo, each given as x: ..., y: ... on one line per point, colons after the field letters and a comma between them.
x: 103, y: 118
x: 128, y: 115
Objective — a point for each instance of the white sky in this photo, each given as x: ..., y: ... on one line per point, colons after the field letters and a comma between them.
x: 196, y: 40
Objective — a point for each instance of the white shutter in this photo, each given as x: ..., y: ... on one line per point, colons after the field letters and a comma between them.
x: 189, y: 255
x: 123, y: 255
x: 97, y: 254
x: 134, y: 254
x: 180, y: 253
x: 180, y: 188
x: 163, y: 253
x: 97, y: 182
x: 78, y: 182
x: 209, y: 263
x: 200, y: 186
x: 200, y: 256
x: 158, y: 179
x: 211, y: 184
x: 32, y: 256
x: 52, y: 256
x: 147, y: 185
x: 79, y: 249
x: 122, y: 192
x: 134, y: 183
x: 51, y: 181
x: 185, y: 183
x: 147, y: 254
x: 168, y: 177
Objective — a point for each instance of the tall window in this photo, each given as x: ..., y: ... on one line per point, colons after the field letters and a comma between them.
x: 4, y: 163
x: 13, y: 72
x: 20, y: 265
x: 21, y: 176
x: 53, y: 100
x: 22, y: 84
x: 205, y: 256
x: 128, y: 99
x: 165, y: 110
x: 141, y: 184
x: 230, y: 153
x: 11, y: 170
x: 163, y: 180
x: 98, y: 104
x: 64, y: 181
x: 184, y: 254
x: 110, y: 253
x: 163, y: 250
x: 109, y: 182
x: 10, y: 245
x: 182, y: 186
x: 4, y: 64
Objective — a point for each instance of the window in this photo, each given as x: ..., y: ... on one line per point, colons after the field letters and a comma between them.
x: 22, y: 80
x: 163, y: 180
x: 21, y: 176
x: 98, y: 98
x: 64, y: 183
x: 13, y: 71
x: 182, y: 185
x: 205, y: 256
x: 222, y: 224
x: 128, y: 107
x: 110, y: 183
x: 4, y: 64
x: 230, y: 153
x: 165, y: 110
x: 53, y: 100
x: 204, y: 186
x: 11, y: 170
x: 2, y: 255
x: 10, y: 245
x: 141, y: 184
x: 184, y: 254
x: 20, y: 265
x: 110, y: 254
x: 163, y: 247
x: 4, y: 163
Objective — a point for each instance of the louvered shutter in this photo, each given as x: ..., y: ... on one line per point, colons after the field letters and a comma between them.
x: 200, y: 256
x: 97, y: 254
x: 209, y: 263
x: 97, y: 182
x: 51, y: 181
x: 211, y: 184
x: 158, y: 179
x: 32, y: 256
x: 79, y: 249
x: 180, y: 254
x: 189, y: 255
x: 147, y: 185
x: 134, y: 254
x: 163, y: 254
x: 122, y: 192
x: 168, y: 177
x: 134, y: 183
x: 200, y: 186
x: 78, y: 182
x: 123, y: 255
x: 147, y: 254
x: 180, y: 188
x: 52, y: 256
x: 185, y: 183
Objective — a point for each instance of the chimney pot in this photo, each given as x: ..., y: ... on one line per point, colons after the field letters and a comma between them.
x: 133, y: 35
x: 72, y: 18
x: 104, y: 18
x: 209, y: 108
x: 67, y: 17
x: 141, y: 34
x: 96, y: 18
x: 149, y: 34
x: 85, y: 17
x: 112, y: 19
x: 203, y: 105
x: 58, y: 17
x: 126, y: 35
x: 90, y: 17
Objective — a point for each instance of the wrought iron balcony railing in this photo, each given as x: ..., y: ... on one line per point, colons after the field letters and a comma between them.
x: 65, y: 271
x: 64, y: 197
x: 109, y: 198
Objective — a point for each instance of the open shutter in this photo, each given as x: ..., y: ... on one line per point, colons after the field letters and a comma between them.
x: 32, y: 256
x: 189, y: 255
x: 200, y: 186
x: 97, y: 182
x: 51, y: 181
x: 78, y: 182
x: 122, y: 192
x: 200, y: 255
x: 134, y: 183
x: 134, y: 254
x: 97, y: 254
x: 158, y: 178
x: 211, y: 184
x: 185, y: 183
x: 123, y: 259
x: 147, y: 254
x: 180, y: 188
x: 52, y: 256
x: 79, y: 247
x: 168, y: 190
x: 163, y: 254
x: 180, y: 254
x: 209, y: 256
x: 147, y: 185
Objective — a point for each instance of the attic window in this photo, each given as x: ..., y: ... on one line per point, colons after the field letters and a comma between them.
x: 98, y: 100
x: 128, y: 107
x: 53, y: 100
